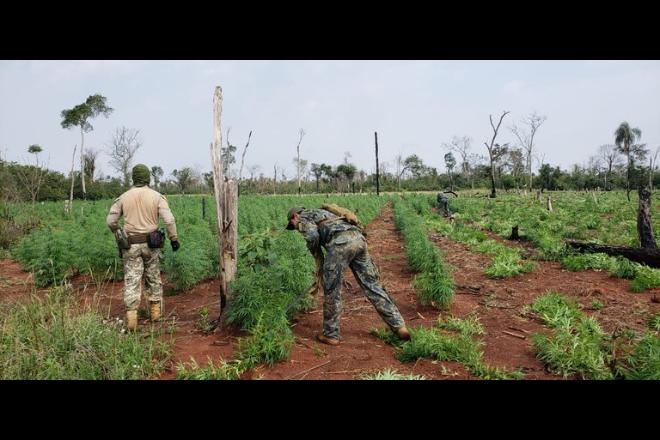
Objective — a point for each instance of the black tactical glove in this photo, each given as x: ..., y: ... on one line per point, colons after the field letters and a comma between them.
x: 175, y: 245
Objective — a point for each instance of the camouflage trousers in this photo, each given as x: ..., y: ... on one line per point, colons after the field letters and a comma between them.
x: 350, y: 249
x: 443, y: 206
x: 141, y: 260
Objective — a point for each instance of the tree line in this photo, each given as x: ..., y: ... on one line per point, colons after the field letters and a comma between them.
x: 508, y: 166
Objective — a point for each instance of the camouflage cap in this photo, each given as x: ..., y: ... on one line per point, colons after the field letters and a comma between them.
x: 141, y: 175
x: 290, y: 214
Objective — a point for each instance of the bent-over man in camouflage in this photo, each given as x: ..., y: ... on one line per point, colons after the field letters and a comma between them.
x: 443, y: 204
x: 141, y: 208
x: 345, y: 246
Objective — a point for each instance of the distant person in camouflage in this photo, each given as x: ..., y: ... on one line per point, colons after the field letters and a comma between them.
x: 141, y: 208
x: 346, y: 247
x: 443, y: 204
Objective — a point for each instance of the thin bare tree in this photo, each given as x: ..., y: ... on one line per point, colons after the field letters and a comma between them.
x: 495, y: 151
x: 301, y: 133
x: 122, y: 149
x: 32, y: 176
x: 461, y: 145
x: 73, y: 159
x: 610, y: 157
x: 240, y: 172
x: 526, y: 138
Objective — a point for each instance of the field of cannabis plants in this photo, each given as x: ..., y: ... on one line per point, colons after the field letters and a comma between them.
x: 598, y: 336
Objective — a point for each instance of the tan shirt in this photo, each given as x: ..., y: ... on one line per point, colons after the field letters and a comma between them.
x: 141, y: 207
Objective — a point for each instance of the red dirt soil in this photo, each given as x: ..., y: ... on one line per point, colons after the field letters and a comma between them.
x: 499, y: 304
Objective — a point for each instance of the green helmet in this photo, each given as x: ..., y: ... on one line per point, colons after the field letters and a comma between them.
x: 290, y: 215
x: 141, y: 175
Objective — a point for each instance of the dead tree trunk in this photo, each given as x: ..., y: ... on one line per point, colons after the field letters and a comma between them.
x: 230, y: 242
x: 644, y: 229
x: 491, y: 152
x: 650, y: 257
x: 218, y: 186
x: 377, y: 169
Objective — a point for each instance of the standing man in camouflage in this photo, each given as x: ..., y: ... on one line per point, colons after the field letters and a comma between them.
x: 346, y: 247
x: 141, y: 208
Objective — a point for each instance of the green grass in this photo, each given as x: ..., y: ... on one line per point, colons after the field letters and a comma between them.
x: 645, y: 279
x: 577, y: 345
x: 643, y: 362
x: 433, y: 283
x: 223, y: 370
x: 654, y: 323
x: 469, y: 326
x: 457, y: 346
x: 203, y: 323
x: 51, y: 337
x: 596, y: 305
x: 580, y: 262
x: 506, y: 261
x: 389, y: 374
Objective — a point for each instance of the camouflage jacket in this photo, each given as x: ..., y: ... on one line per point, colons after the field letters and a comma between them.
x: 318, y: 232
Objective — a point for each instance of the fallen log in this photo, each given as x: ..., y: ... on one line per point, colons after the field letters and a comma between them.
x: 650, y: 257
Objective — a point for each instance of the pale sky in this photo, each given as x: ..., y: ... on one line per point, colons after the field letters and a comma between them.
x: 414, y: 105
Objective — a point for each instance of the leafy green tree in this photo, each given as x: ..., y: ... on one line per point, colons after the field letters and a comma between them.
x: 347, y: 171
x: 549, y: 177
x: 185, y: 177
x: 318, y: 170
x: 79, y: 116
x: 624, y: 138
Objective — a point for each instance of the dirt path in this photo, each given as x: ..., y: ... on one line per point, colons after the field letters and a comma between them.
x: 501, y: 304
x: 360, y: 352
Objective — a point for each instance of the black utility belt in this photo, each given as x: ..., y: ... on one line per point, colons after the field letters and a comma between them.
x: 154, y: 239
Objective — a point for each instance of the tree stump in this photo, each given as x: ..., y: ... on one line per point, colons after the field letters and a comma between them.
x: 644, y: 229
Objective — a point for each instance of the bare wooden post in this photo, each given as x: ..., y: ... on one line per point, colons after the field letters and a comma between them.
x: 549, y: 204
x: 203, y: 207
x: 377, y: 169
x: 218, y: 180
